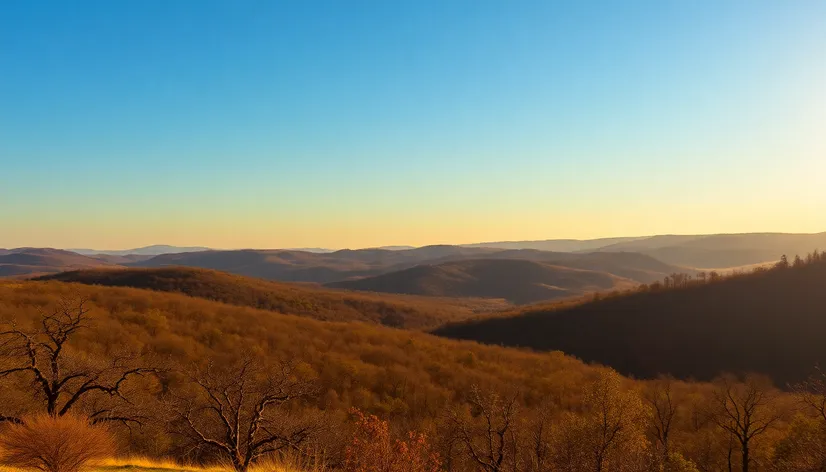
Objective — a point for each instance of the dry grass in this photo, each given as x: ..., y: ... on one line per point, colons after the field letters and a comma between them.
x: 143, y: 464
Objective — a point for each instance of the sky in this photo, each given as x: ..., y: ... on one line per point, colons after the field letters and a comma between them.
x: 266, y: 124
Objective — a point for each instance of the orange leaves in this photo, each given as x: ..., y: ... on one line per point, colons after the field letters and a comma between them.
x: 374, y: 450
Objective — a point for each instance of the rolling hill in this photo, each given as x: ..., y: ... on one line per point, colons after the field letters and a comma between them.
x: 769, y: 322
x: 722, y: 250
x: 305, y: 300
x: 32, y: 261
x: 518, y: 281
x: 298, y: 266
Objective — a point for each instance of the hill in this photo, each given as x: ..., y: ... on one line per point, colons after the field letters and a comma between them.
x: 769, y: 322
x: 306, y: 300
x: 32, y: 261
x: 300, y: 266
x: 722, y: 251
x: 414, y: 380
x: 409, y: 376
x: 518, y: 281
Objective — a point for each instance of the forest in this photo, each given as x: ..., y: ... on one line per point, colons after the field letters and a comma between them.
x: 172, y: 377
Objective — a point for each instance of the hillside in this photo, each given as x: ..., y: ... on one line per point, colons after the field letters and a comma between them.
x: 414, y: 380
x: 769, y: 322
x: 306, y: 300
x: 32, y: 261
x: 518, y: 281
x: 406, y: 375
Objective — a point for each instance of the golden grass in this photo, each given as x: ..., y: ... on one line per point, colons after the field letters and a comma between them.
x: 143, y: 464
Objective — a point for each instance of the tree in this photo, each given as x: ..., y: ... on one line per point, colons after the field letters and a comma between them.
x: 744, y: 410
x: 812, y: 393
x: 239, y: 413
x: 63, y: 379
x: 54, y: 444
x: 663, y: 407
x: 804, y: 446
x: 609, y: 435
x: 486, y: 429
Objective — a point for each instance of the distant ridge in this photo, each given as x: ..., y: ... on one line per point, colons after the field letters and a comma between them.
x: 559, y: 245
x: 154, y: 250
x: 29, y: 261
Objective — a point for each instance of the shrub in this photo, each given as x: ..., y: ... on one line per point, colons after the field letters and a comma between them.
x: 54, y: 444
x: 373, y: 450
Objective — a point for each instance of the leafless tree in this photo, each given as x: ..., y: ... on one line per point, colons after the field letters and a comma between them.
x: 539, y: 442
x: 812, y: 393
x: 488, y: 431
x: 663, y: 407
x: 60, y: 378
x: 745, y: 410
x: 239, y: 412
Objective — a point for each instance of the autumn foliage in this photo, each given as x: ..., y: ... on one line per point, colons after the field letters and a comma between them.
x: 374, y: 450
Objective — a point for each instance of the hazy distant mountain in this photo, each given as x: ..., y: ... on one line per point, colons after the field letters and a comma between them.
x: 31, y: 261
x: 155, y: 250
x: 302, y: 266
x: 560, y: 245
x: 723, y: 250
x: 518, y: 275
x: 518, y: 281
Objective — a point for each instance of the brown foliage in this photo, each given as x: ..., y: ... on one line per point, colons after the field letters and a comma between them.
x: 374, y: 450
x: 62, y: 378
x: 54, y: 444
x: 398, y: 311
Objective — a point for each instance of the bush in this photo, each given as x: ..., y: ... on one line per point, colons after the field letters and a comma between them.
x: 54, y: 444
x: 373, y: 450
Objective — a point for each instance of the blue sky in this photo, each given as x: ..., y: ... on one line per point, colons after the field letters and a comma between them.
x: 351, y: 124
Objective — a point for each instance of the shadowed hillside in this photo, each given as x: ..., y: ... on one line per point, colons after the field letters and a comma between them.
x: 518, y: 281
x: 770, y: 322
x: 323, y: 304
x: 31, y: 261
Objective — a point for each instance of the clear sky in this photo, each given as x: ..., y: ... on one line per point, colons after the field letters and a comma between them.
x: 361, y: 123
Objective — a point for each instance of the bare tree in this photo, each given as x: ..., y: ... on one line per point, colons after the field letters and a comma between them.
x: 238, y: 413
x: 663, y: 407
x: 539, y: 442
x: 812, y: 393
x: 487, y: 432
x: 745, y: 410
x: 62, y: 379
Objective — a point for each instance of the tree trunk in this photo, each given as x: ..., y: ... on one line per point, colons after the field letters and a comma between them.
x: 745, y: 457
